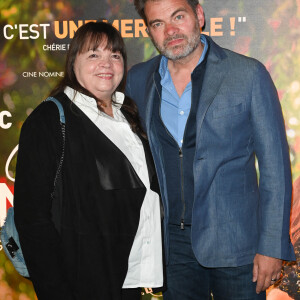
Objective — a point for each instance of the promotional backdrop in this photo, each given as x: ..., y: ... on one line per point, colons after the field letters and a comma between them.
x: 34, y: 38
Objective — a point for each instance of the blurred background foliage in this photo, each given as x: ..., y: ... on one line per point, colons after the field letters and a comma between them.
x: 270, y: 34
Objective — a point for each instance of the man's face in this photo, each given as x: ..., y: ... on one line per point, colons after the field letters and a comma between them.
x: 173, y: 27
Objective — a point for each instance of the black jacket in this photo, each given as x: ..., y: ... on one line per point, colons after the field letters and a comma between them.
x: 101, y: 200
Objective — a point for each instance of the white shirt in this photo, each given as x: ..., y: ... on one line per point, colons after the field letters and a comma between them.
x: 145, y: 260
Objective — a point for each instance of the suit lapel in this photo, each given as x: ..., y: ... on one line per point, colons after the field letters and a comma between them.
x: 151, y: 90
x: 214, y: 76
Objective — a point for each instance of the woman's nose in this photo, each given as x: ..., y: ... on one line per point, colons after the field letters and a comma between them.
x: 105, y: 62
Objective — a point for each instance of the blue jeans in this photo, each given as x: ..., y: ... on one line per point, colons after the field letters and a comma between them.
x: 188, y: 280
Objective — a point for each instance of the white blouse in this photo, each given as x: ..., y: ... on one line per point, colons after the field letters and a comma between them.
x: 145, y: 267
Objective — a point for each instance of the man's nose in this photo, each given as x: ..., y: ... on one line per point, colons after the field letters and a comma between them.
x: 170, y: 29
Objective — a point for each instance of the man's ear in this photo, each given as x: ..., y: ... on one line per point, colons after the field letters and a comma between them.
x: 200, y: 15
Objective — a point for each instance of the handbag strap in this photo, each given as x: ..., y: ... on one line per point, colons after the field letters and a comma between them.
x: 56, y: 205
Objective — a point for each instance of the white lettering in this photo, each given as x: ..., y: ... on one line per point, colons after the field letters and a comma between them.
x: 23, y: 31
x: 26, y: 31
x: 51, y: 74
x: 44, y: 26
x: 29, y: 74
x: 2, y: 115
x: 37, y: 34
x: 8, y: 37
x: 56, y: 47
x: 8, y: 163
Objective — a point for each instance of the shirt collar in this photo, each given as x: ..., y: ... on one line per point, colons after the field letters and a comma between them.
x: 163, y: 67
x: 118, y: 98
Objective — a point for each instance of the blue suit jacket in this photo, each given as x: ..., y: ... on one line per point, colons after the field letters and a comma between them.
x: 239, y: 117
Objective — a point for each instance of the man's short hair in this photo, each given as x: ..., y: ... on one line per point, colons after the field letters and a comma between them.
x: 140, y: 5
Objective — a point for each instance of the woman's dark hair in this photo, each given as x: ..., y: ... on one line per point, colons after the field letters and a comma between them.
x: 90, y: 36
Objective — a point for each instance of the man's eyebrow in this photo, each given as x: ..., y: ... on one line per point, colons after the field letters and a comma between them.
x: 172, y: 15
x: 154, y: 21
x: 178, y: 10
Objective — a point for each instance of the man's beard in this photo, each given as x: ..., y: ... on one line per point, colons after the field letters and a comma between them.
x: 192, y: 43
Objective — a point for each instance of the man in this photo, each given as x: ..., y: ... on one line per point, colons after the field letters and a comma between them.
x: 208, y: 113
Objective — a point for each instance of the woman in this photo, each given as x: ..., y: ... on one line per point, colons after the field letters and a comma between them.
x: 108, y: 243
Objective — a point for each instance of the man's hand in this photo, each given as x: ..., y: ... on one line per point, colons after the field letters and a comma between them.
x: 266, y: 271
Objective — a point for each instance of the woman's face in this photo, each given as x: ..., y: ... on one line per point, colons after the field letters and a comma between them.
x: 99, y: 71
